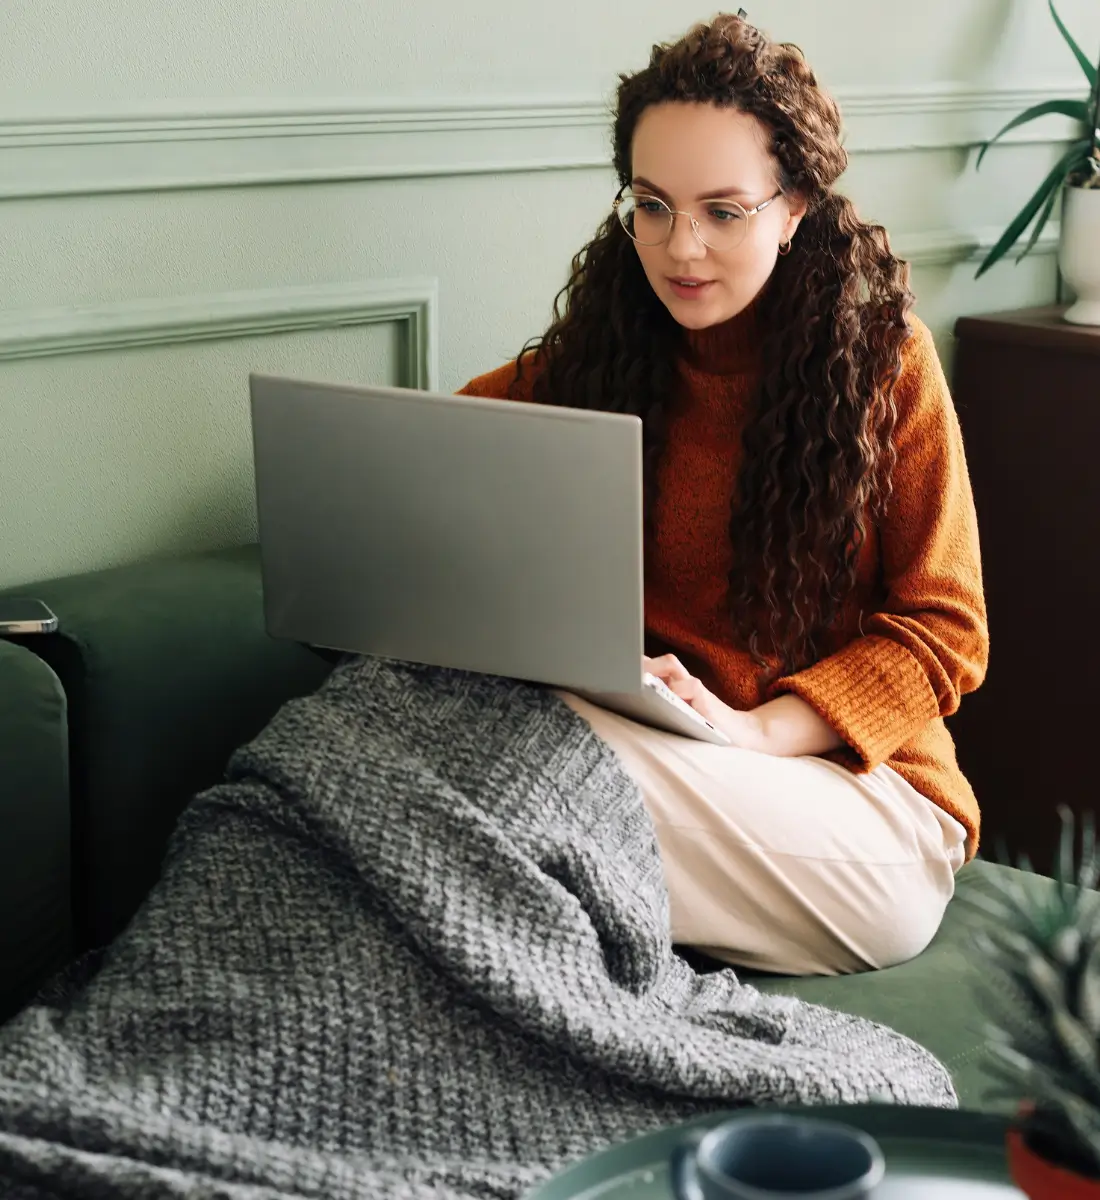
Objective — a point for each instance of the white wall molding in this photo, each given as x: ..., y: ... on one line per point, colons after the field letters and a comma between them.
x: 949, y: 247
x: 125, y: 325
x: 414, y: 303
x: 946, y: 117
x: 222, y: 145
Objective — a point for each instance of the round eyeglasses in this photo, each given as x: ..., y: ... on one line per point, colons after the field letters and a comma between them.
x: 720, y: 224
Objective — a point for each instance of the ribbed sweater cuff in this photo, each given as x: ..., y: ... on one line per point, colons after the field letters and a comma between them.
x: 873, y: 692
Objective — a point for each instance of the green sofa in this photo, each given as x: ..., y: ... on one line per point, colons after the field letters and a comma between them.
x: 157, y: 672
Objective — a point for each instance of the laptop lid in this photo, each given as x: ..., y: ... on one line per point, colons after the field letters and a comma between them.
x: 486, y: 535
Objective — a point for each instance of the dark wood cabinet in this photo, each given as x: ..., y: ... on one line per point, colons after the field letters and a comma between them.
x: 1027, y: 390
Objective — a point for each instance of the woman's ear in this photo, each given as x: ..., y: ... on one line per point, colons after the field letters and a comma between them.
x: 796, y: 210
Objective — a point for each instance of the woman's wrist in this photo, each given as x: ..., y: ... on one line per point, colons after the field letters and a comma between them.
x: 745, y: 729
x: 786, y: 727
x: 789, y: 727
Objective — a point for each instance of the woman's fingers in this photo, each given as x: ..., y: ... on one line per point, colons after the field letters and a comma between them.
x: 667, y: 667
x: 680, y: 681
x: 686, y: 689
x: 675, y: 676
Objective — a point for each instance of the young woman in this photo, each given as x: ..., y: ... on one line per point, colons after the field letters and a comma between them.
x: 813, y: 583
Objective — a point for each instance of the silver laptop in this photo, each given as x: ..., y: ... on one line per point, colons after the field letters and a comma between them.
x: 486, y: 535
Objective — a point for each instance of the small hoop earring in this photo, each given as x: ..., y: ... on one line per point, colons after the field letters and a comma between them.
x: 785, y: 247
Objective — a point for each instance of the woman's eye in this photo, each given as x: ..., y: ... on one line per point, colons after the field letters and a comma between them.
x: 651, y: 206
x: 725, y: 215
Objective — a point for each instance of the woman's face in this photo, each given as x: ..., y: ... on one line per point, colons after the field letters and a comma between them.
x: 686, y: 154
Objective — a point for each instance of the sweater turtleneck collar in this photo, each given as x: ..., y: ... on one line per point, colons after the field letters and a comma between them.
x: 729, y: 348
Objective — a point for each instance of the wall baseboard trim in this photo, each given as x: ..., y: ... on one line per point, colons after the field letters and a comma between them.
x: 126, y: 325
x: 225, y: 145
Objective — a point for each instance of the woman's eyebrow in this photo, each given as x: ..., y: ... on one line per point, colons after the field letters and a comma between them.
x: 720, y: 194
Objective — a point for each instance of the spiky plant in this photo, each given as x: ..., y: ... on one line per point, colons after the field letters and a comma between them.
x: 1043, y: 995
x: 1079, y: 166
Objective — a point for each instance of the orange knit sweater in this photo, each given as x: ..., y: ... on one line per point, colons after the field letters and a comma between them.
x: 913, y: 637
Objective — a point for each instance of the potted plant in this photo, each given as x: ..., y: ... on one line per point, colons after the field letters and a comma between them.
x: 1076, y: 176
x: 1044, y: 995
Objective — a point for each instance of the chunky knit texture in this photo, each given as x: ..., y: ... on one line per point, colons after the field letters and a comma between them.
x: 913, y: 637
x: 416, y: 946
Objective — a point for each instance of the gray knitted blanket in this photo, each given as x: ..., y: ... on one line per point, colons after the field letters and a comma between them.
x: 415, y: 946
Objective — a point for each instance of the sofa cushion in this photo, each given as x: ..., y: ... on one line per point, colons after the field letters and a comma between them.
x: 35, y: 922
x: 936, y: 998
x: 167, y: 668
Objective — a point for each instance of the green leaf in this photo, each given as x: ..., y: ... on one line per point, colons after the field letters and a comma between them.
x: 1065, y: 946
x: 1025, y: 216
x: 1088, y: 991
x: 1078, y: 110
x: 1086, y: 66
x: 1043, y: 976
x: 1089, y: 874
x: 1079, y: 1048
x: 1065, y: 872
x: 1037, y: 229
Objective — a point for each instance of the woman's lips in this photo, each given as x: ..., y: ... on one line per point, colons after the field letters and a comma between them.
x: 687, y: 289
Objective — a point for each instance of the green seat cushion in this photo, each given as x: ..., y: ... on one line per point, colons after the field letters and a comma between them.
x: 934, y: 999
x: 168, y: 668
x: 35, y: 921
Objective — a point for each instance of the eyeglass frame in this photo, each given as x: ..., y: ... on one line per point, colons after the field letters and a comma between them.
x: 673, y: 213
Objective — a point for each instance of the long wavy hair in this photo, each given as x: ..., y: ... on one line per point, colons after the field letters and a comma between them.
x: 818, y: 455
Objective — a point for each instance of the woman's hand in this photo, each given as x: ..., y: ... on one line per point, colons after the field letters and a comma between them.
x: 742, y: 728
x: 786, y: 727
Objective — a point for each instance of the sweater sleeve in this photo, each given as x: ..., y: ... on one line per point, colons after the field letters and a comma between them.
x: 499, y: 384
x: 928, y: 644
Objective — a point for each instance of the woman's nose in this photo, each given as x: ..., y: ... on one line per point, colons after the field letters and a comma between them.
x: 682, y: 241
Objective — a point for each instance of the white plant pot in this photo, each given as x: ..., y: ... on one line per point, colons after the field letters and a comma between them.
x: 1079, y: 253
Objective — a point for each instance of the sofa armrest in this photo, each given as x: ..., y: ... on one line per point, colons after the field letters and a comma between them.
x: 35, y: 920
x: 167, y: 669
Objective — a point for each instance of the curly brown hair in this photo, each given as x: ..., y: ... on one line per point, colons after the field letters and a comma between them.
x: 818, y: 447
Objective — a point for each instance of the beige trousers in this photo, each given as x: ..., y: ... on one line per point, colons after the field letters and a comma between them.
x: 790, y: 865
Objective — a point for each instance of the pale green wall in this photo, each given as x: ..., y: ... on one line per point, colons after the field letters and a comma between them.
x: 184, y: 189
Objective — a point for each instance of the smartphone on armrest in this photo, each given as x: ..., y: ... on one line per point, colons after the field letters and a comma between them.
x: 24, y: 614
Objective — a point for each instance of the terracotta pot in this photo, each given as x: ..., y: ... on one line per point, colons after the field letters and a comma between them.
x: 1039, y: 1179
